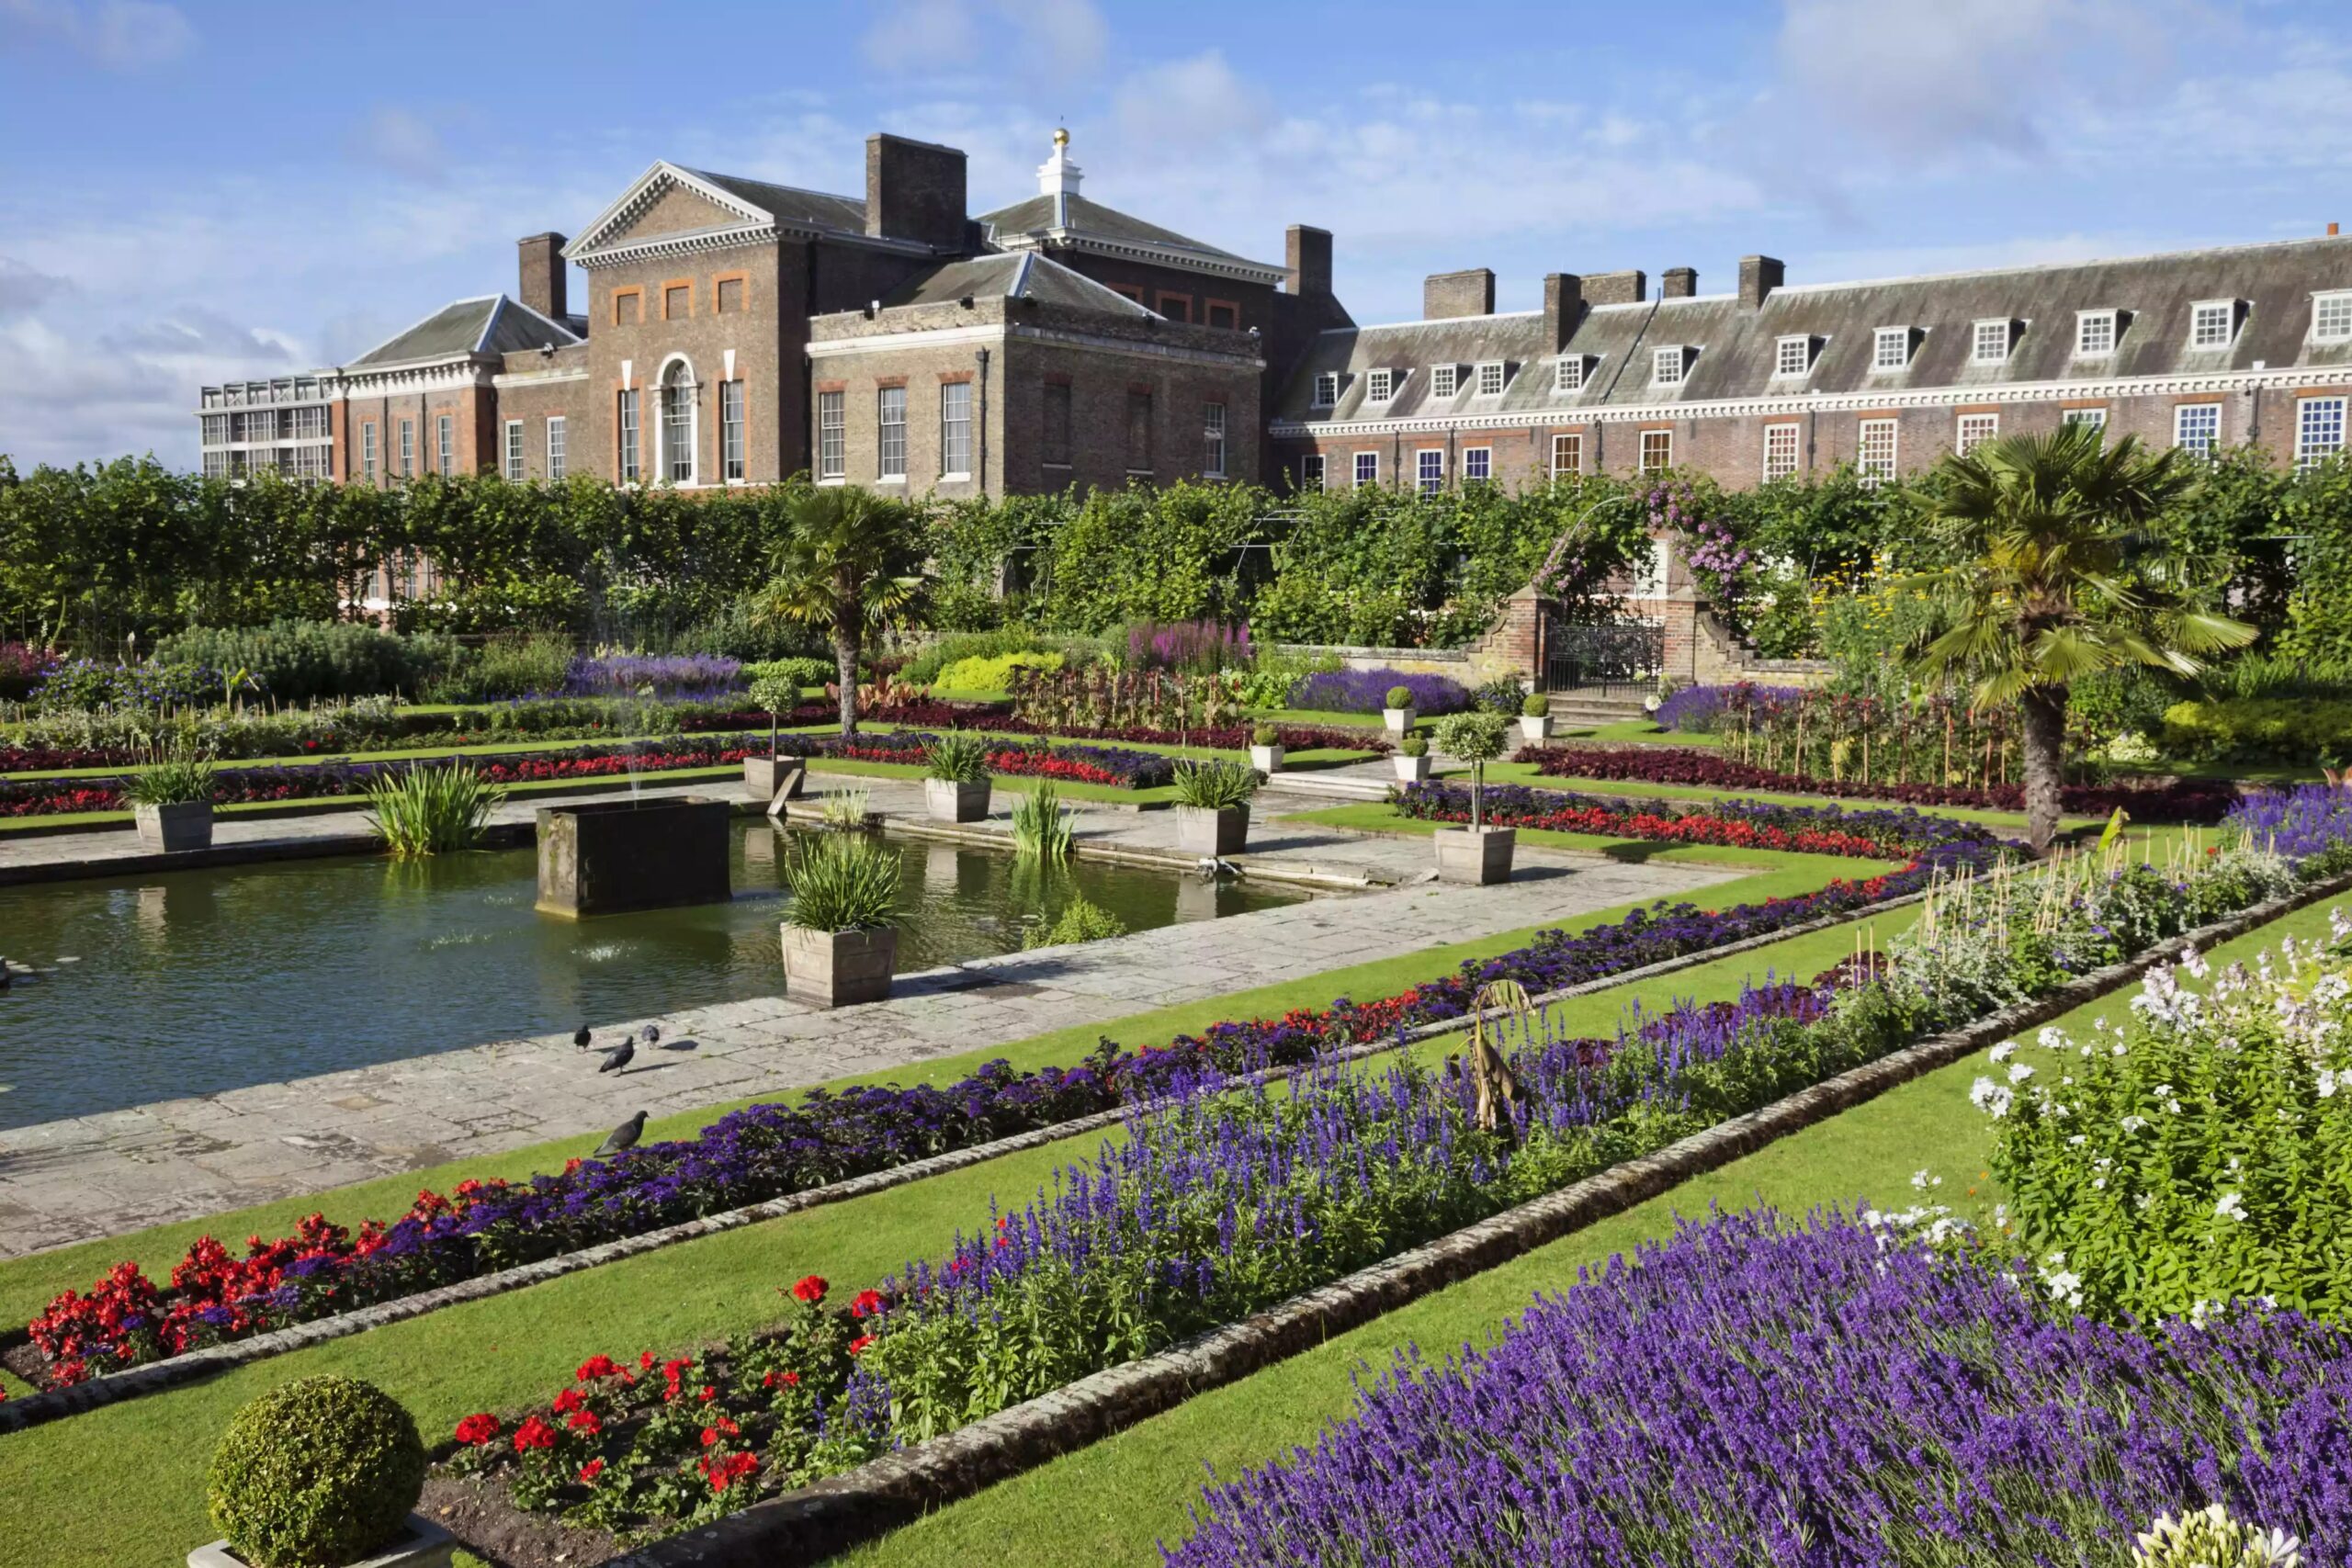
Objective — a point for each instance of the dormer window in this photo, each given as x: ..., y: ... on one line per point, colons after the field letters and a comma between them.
x: 2213, y: 323
x: 2332, y: 317
x: 1567, y: 373
x: 2094, y: 334
x: 1444, y: 380
x: 1795, y: 356
x: 1491, y: 378
x: 1992, y: 343
x: 1327, y: 389
x: 1666, y: 365
x: 1379, y: 385
x: 1891, y: 348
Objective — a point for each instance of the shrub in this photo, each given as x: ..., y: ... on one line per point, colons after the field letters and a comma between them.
x: 318, y: 1472
x: 431, y: 811
x: 1080, y: 921
x: 1370, y: 691
x: 1217, y: 786
x: 842, y: 881
x: 1535, y: 705
x: 2292, y: 729
x: 1265, y: 735
x: 993, y: 674
x: 1497, y: 695
x: 23, y: 667
x: 302, y: 661
x: 1414, y: 745
x: 1475, y: 737
x: 957, y: 757
x: 511, y: 664
x: 798, y: 672
x: 1401, y: 697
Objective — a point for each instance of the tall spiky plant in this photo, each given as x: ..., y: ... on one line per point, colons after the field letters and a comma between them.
x: 851, y: 564
x: 2056, y: 576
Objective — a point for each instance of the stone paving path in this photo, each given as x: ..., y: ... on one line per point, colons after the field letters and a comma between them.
x: 106, y: 1174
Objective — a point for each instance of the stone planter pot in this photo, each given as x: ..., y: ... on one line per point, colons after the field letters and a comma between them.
x: 425, y: 1545
x: 767, y: 779
x: 838, y: 969
x: 1474, y: 857
x: 1203, y: 831
x: 1411, y: 769
x: 1533, y: 728
x: 1267, y: 760
x: 171, y: 829
x: 1400, y: 720
x: 953, y: 802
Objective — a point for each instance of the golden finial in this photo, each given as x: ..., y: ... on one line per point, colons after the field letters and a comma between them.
x: 1061, y: 137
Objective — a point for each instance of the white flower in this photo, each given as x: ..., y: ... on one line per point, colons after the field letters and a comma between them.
x: 2327, y: 1082
x: 1990, y: 1098
x: 1921, y: 1180
x: 2050, y: 1039
x: 2020, y: 1072
x: 2230, y: 1207
x: 2003, y: 1052
x: 2133, y: 1123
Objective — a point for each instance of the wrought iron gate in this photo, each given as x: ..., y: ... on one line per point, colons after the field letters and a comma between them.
x: 1620, y: 657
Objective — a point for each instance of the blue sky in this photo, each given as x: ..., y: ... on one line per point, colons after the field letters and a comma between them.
x: 212, y: 188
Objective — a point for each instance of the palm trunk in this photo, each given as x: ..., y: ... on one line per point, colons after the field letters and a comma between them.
x: 845, y: 673
x: 2044, y: 712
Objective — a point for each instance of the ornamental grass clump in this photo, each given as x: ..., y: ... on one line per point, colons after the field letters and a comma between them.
x: 173, y: 778
x: 1215, y: 784
x: 431, y: 811
x: 842, y: 881
x: 317, y: 1472
x: 957, y: 757
x: 1041, y: 828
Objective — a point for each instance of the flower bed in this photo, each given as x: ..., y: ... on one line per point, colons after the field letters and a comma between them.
x: 1087, y: 764
x: 1701, y: 1406
x: 1366, y: 691
x: 2186, y: 802
x: 1816, y: 829
x: 687, y: 676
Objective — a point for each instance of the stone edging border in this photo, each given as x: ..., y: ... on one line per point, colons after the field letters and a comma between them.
x: 153, y: 1377
x: 810, y: 1524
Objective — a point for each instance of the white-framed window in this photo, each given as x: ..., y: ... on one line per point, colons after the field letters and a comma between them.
x: 408, y: 448
x: 310, y: 462
x: 1444, y: 380
x: 1310, y: 471
x: 1794, y: 356
x: 1379, y: 385
x: 2095, y: 418
x: 2213, y: 323
x: 730, y: 431
x: 2319, y: 430
x: 681, y: 407
x: 1568, y: 453
x: 890, y: 433
x: 216, y: 465
x: 1477, y: 464
x: 1567, y: 373
x: 2197, y: 427
x: 1666, y: 365
x: 2094, y: 334
x: 1973, y: 430
x: 1874, y: 450
x: 1657, y: 451
x: 1781, y: 450
x: 1429, y: 470
x: 2332, y: 316
x: 1891, y: 348
x: 368, y: 451
x: 1991, y: 343
x: 832, y: 436
x: 216, y: 430
x: 1327, y: 389
x: 1213, y: 440
x: 445, y: 444
x: 514, y: 450
x: 556, y: 441
x: 1491, y: 377
x: 624, y: 424
x: 1367, y: 469
x: 955, y: 429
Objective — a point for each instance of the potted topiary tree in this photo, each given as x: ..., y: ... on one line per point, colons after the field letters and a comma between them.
x: 1212, y: 807
x: 1266, y: 750
x: 955, y: 786
x: 1478, y: 853
x: 840, y: 936
x: 1398, y: 714
x: 320, y: 1472
x: 1535, y: 716
x: 774, y: 778
x: 1412, y: 759
x: 170, y: 800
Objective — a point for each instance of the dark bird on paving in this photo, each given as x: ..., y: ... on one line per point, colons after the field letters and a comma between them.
x: 580, y: 1037
x: 653, y: 1034
x: 619, y: 1056
x: 624, y: 1137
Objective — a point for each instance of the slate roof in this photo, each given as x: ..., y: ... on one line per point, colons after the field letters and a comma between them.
x: 494, y: 324
x: 1068, y: 217
x: 814, y: 209
x: 1735, y: 349
x: 1024, y: 275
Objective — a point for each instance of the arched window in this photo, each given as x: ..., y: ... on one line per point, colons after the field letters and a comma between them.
x: 678, y: 423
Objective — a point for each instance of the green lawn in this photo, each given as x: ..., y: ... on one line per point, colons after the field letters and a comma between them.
x: 1372, y: 817
x: 522, y: 1346
x: 1528, y: 774
x: 1108, y: 1504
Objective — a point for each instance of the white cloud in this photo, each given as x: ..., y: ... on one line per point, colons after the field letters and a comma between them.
x: 401, y: 140
x: 924, y: 35
x: 1195, y: 101
x: 120, y: 35
x: 25, y: 288
x: 1056, y: 40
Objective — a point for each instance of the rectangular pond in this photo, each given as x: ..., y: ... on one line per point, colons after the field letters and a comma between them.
x: 159, y: 986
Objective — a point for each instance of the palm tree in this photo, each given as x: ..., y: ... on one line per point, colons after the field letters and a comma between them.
x: 850, y: 565
x: 2056, y: 577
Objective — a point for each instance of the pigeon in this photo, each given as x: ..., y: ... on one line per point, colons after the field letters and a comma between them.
x: 624, y: 1137
x: 652, y: 1034
x: 620, y: 1055
x: 580, y: 1037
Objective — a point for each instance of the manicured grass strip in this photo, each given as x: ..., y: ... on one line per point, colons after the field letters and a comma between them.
x: 1527, y: 773
x: 1377, y: 817
x: 29, y: 1284
x: 517, y: 1347
x: 330, y: 805
x: 1108, y: 1504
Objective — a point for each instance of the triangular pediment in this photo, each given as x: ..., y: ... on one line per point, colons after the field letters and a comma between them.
x: 667, y: 199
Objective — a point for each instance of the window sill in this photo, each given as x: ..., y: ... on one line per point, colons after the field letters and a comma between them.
x: 891, y: 480
x: 834, y: 479
x: 1054, y: 465
x: 959, y: 479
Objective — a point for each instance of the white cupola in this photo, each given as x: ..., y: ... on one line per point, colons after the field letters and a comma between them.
x: 1057, y: 176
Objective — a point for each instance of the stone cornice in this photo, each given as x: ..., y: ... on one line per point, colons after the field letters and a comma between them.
x: 993, y: 332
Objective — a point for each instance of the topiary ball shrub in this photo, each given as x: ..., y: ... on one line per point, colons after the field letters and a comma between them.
x: 1401, y: 697
x: 1265, y: 735
x: 317, y: 1472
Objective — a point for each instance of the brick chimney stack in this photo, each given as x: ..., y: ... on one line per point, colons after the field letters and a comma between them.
x: 1758, y: 276
x: 544, y: 276
x: 1630, y: 287
x: 1677, y: 283
x: 914, y: 191
x: 1563, y: 309
x: 1470, y: 292
x: 1306, y: 251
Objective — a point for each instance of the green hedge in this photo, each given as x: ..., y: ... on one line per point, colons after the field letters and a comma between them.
x: 301, y: 661
x: 2259, y: 730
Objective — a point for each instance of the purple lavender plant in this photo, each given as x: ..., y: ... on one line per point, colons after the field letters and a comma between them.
x: 670, y: 677
x: 1366, y: 691
x: 2298, y: 822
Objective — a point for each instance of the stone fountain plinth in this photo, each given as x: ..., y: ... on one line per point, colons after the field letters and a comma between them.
x: 609, y: 857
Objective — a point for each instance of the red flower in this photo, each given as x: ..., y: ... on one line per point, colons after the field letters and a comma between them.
x: 727, y: 1471
x: 811, y: 1290
x: 858, y: 1345
x: 597, y: 1367
x: 589, y: 1472
x: 567, y: 1401
x: 479, y: 1430
x: 789, y: 1379
x: 708, y: 1393
x: 866, y: 1304
x: 645, y: 1360
x: 585, y: 1421
x: 724, y: 1427
x: 534, y: 1434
